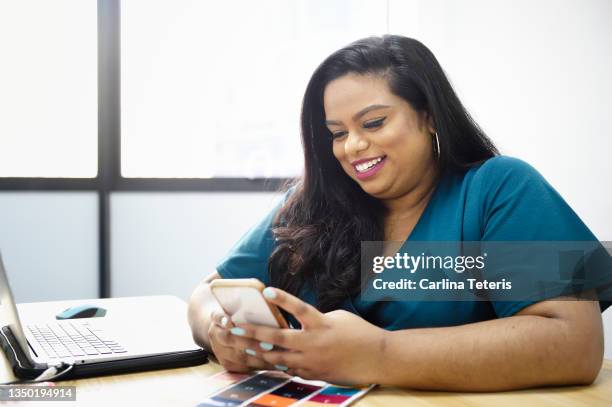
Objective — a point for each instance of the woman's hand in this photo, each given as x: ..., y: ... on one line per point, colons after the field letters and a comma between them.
x: 210, y: 329
x: 338, y: 346
x: 232, y: 351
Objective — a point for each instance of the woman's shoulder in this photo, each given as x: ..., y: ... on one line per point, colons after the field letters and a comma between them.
x: 503, y: 166
x: 504, y: 173
x: 517, y: 202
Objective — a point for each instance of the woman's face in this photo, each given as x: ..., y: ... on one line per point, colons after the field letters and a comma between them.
x: 379, y: 139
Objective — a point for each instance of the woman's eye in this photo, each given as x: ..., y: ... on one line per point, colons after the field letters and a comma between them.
x: 338, y: 134
x: 372, y: 124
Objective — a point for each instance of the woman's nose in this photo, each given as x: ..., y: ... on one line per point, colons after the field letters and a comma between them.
x: 355, y: 143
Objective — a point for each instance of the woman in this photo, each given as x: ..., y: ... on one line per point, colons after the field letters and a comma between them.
x: 391, y: 155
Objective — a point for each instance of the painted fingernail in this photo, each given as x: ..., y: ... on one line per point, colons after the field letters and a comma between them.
x: 281, y: 367
x: 266, y: 345
x: 224, y: 322
x: 269, y: 292
x: 251, y: 352
x: 237, y: 331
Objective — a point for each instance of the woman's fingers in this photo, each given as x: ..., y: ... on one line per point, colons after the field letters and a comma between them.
x: 222, y: 333
x: 236, y: 349
x: 234, y: 361
x: 236, y: 357
x: 236, y: 353
x: 268, y: 338
x: 308, y: 315
x: 225, y: 337
x: 259, y: 347
x: 221, y: 319
x: 280, y: 359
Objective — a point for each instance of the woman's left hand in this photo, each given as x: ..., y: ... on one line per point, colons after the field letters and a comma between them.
x: 337, y: 346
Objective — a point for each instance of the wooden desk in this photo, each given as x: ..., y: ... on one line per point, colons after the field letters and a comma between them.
x: 189, y: 386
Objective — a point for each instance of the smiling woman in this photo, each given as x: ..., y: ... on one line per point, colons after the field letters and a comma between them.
x: 391, y: 154
x: 385, y: 147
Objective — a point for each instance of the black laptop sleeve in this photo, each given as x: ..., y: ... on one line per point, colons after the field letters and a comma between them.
x: 24, y: 369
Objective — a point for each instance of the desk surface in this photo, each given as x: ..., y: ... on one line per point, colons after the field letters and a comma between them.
x: 189, y: 386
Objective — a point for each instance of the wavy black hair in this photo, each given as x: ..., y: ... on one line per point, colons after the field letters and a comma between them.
x: 320, y: 228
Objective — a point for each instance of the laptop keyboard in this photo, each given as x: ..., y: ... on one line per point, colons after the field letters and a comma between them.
x: 73, y: 339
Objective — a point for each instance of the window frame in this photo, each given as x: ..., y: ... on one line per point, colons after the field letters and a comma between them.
x: 109, y: 178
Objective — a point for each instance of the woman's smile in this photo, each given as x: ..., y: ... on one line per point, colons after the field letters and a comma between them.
x: 368, y: 167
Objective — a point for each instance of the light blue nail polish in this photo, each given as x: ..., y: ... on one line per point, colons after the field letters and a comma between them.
x: 237, y: 331
x: 269, y: 292
x: 251, y: 352
x: 266, y: 345
x: 281, y: 367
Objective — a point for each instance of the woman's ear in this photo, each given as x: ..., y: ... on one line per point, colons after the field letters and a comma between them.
x: 429, y: 122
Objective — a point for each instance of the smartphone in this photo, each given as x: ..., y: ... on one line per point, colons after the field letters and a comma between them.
x: 241, y: 298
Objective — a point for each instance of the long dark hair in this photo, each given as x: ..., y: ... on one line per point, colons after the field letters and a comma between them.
x: 319, y: 229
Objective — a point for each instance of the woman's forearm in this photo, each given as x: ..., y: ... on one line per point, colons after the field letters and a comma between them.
x: 201, y: 305
x: 509, y: 353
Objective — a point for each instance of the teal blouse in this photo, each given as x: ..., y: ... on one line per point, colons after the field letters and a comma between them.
x: 502, y: 199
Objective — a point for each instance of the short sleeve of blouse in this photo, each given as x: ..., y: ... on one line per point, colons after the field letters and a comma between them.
x: 518, y: 204
x: 248, y: 258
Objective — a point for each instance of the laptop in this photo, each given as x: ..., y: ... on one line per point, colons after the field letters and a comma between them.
x: 120, y: 342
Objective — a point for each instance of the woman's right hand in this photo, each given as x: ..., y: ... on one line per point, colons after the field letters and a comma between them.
x: 232, y: 351
x: 210, y: 328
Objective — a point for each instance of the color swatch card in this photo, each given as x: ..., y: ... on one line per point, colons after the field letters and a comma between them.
x: 271, y: 388
x: 224, y: 379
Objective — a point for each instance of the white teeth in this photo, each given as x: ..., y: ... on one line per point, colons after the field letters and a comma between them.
x: 367, y: 165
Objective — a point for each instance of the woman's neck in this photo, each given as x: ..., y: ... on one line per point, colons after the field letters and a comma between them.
x: 414, y: 202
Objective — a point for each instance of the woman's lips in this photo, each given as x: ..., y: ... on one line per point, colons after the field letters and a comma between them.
x: 369, y: 172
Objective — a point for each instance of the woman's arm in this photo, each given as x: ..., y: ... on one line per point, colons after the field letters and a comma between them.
x: 202, y: 304
x: 548, y: 343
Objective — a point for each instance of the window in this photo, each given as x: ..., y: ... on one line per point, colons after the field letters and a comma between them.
x: 214, y: 89
x: 48, y: 88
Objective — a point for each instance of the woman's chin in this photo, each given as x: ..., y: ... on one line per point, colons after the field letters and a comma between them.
x: 374, y: 188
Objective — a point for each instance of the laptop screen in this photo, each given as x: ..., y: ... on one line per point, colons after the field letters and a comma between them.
x: 8, y: 311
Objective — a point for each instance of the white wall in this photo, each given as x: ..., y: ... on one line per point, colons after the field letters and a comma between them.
x: 536, y: 76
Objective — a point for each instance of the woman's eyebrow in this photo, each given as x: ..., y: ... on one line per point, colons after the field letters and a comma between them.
x: 358, y: 114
